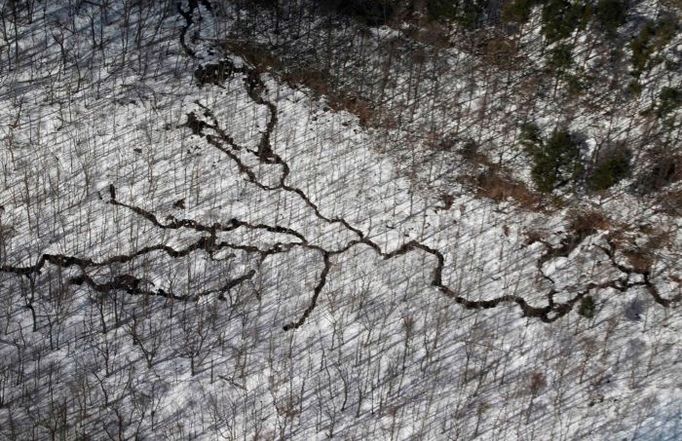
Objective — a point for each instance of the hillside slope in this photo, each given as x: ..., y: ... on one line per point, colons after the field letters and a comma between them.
x: 280, y: 220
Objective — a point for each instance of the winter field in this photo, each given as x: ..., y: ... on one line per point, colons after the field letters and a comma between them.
x: 195, y: 246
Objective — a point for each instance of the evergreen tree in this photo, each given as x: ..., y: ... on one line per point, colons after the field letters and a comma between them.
x: 556, y: 161
x: 611, y: 14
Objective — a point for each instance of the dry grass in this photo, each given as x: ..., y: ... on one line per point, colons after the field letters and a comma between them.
x: 359, y: 107
x: 313, y: 79
x: 501, y: 187
x: 642, y: 258
x: 255, y: 54
x: 318, y: 83
x: 639, y: 260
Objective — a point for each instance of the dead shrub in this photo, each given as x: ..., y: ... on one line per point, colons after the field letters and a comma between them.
x: 499, y: 51
x: 659, y: 239
x: 433, y: 34
x: 665, y: 168
x: 533, y: 236
x: 439, y: 142
x: 642, y: 258
x: 671, y: 202
x: 537, y: 382
x: 583, y: 223
x: 448, y: 200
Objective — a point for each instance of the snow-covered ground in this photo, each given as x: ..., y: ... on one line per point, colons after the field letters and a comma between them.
x: 235, y: 260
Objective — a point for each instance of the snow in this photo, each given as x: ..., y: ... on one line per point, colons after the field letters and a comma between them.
x: 384, y: 353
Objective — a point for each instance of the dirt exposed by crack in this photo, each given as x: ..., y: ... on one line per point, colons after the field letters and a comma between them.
x: 133, y: 285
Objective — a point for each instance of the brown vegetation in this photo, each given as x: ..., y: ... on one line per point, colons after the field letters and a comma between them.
x: 314, y: 79
x: 501, y: 187
x: 586, y: 222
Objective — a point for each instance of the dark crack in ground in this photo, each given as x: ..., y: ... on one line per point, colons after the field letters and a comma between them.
x: 211, y: 131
